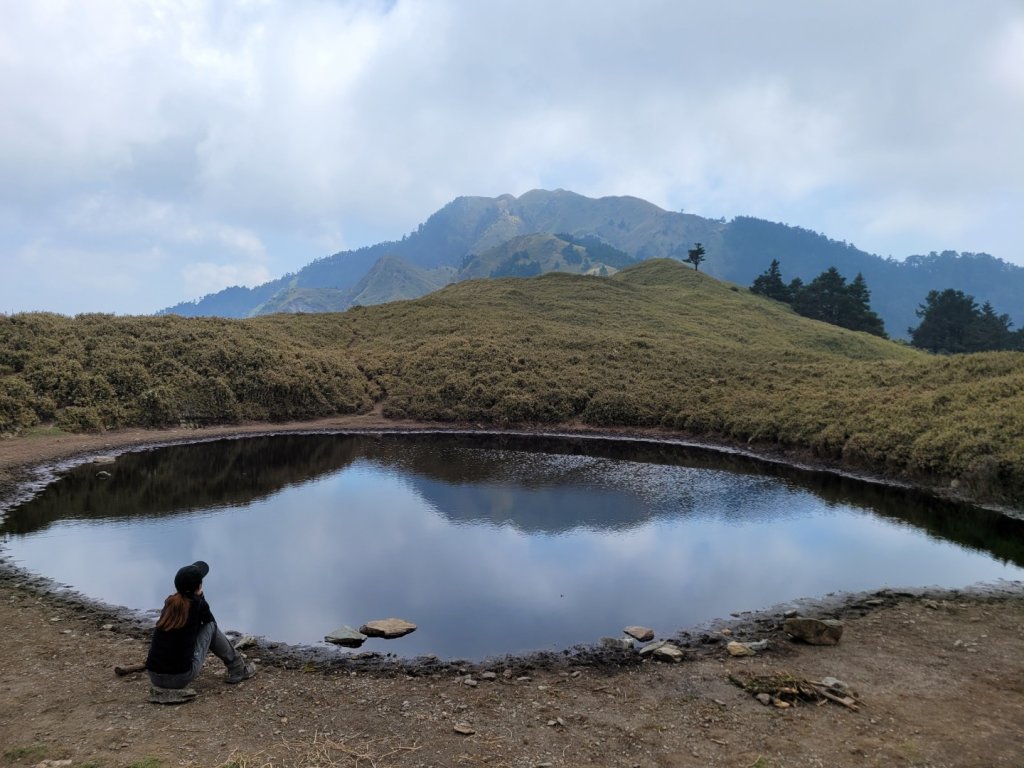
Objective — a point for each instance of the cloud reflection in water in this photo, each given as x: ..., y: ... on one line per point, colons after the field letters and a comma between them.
x: 534, y: 551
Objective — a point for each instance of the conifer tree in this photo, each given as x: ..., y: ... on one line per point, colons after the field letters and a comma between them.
x: 695, y: 255
x: 769, y: 283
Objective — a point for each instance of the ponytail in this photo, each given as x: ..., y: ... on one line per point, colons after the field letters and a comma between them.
x: 175, y: 612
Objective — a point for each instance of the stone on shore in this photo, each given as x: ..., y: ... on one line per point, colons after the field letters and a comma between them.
x: 387, y: 628
x: 346, y: 636
x: 740, y: 649
x: 814, y: 631
x: 643, y: 634
x: 617, y: 643
x: 663, y: 650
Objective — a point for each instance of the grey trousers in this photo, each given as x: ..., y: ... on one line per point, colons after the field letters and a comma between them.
x: 210, y: 638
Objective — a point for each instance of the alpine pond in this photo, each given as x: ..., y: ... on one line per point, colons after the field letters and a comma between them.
x: 491, y: 544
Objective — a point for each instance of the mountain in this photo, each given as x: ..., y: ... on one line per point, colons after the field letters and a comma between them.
x: 537, y: 254
x: 475, y: 237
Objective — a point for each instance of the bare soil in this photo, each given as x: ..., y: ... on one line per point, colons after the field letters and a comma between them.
x: 939, y: 676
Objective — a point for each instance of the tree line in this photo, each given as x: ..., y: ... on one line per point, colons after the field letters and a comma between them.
x: 951, y: 321
x: 828, y: 298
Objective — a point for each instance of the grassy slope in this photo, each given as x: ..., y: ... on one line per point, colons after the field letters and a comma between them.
x: 655, y: 345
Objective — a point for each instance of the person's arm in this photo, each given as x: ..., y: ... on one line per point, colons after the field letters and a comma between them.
x: 201, y: 609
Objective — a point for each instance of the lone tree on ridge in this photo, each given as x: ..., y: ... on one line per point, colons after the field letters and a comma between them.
x: 695, y: 256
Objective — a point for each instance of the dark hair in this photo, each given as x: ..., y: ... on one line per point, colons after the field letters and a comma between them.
x: 175, y: 612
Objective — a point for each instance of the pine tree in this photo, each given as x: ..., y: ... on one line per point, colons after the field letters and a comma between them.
x: 769, y: 283
x: 828, y: 298
x: 695, y: 255
x: 860, y: 316
x: 946, y: 324
x: 824, y: 298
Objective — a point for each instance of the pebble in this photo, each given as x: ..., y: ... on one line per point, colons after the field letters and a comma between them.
x: 464, y: 728
x: 470, y: 682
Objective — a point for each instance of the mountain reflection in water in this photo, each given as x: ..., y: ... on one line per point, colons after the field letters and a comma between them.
x: 491, y: 543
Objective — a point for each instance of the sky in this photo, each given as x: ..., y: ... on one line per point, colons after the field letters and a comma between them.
x: 154, y: 152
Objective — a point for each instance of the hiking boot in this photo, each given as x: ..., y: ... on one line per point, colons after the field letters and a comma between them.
x: 240, y: 670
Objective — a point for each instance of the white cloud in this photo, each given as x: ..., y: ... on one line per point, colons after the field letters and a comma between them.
x: 263, y: 131
x: 202, y: 278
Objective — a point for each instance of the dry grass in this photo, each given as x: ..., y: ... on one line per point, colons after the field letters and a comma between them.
x: 657, y: 345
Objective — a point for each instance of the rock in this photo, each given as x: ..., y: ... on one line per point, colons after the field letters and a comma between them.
x: 343, y: 635
x: 930, y: 604
x: 388, y: 628
x: 617, y: 643
x: 791, y: 614
x: 488, y: 675
x: 764, y: 698
x: 248, y: 641
x: 837, y: 687
x: 669, y: 652
x: 647, y: 650
x: 104, y: 460
x: 107, y: 627
x: 470, y: 682
x: 815, y: 631
x: 643, y: 634
x: 159, y: 695
x: 103, y: 474
x: 464, y: 728
x: 727, y: 632
x: 740, y: 649
x: 874, y: 602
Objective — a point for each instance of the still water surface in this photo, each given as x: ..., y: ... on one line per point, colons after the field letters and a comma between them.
x: 491, y: 545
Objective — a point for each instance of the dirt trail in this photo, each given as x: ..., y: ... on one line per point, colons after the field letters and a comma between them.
x: 940, y: 675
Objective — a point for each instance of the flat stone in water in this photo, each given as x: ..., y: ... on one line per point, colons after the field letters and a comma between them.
x: 346, y: 636
x: 387, y: 628
x: 643, y: 634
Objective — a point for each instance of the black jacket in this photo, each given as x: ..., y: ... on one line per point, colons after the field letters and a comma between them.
x: 171, y: 651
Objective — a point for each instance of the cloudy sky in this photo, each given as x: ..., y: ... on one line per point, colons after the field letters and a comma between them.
x: 153, y: 152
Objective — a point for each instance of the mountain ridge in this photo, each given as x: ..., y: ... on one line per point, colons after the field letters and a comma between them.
x: 738, y: 251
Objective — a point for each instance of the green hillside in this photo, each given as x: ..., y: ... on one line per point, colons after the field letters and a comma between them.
x: 657, y: 345
x: 530, y: 255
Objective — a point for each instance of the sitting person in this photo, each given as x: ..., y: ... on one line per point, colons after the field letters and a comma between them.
x: 185, y: 632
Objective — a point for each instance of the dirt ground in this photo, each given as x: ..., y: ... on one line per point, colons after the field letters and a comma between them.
x: 939, y: 677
